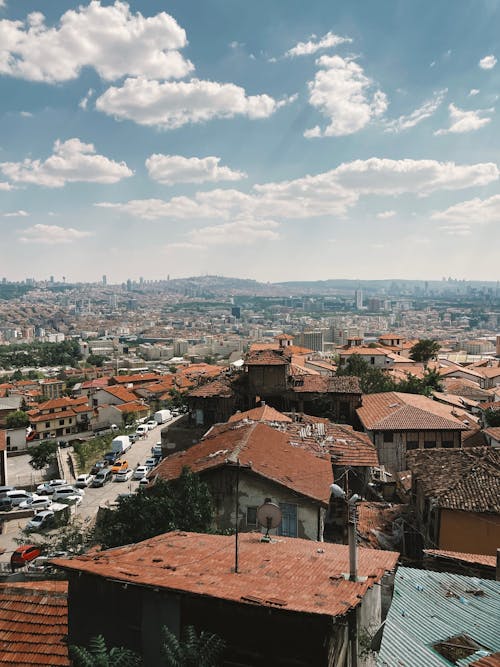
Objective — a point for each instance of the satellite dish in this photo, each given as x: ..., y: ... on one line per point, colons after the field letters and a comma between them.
x: 268, y: 516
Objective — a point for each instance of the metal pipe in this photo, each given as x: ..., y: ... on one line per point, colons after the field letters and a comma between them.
x: 353, y: 547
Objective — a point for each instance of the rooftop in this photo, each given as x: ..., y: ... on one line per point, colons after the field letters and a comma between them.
x: 289, y: 573
x: 393, y: 411
x: 471, y: 559
x: 343, y: 384
x: 439, y: 608
x: 34, y: 623
x: 262, y: 449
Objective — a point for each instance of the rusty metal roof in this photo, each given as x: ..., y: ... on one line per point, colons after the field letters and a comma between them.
x: 34, y: 624
x: 290, y: 573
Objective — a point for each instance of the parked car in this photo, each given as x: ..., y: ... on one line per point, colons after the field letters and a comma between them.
x: 36, y: 503
x: 65, y: 491
x: 140, y: 472
x: 41, y: 520
x: 82, y: 481
x: 99, y: 465
x: 143, y: 482
x: 5, y: 504
x: 119, y: 466
x: 157, y: 450
x: 151, y: 424
x: 133, y: 437
x: 141, y: 430
x: 111, y: 457
x: 150, y: 463
x: 4, y: 489
x: 23, y: 555
x: 102, y: 477
x: 48, y: 488
x: 124, y: 475
x: 18, y: 496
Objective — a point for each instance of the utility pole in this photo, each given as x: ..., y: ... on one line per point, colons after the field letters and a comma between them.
x: 237, y: 516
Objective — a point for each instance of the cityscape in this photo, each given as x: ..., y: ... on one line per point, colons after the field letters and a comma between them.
x: 249, y: 334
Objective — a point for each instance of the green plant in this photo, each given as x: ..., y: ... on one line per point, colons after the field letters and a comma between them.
x: 203, y: 650
x: 17, y: 419
x: 424, y: 350
x: 98, y: 655
x: 44, y: 454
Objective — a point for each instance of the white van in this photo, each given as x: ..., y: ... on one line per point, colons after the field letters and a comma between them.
x: 18, y: 496
x: 142, y: 430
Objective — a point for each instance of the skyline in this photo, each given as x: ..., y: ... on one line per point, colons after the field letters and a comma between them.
x: 298, y: 144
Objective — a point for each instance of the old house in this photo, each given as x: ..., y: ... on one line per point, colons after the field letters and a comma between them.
x: 471, y: 565
x: 212, y: 402
x: 60, y: 417
x: 289, y: 603
x: 456, y: 496
x: 398, y: 423
x: 269, y: 467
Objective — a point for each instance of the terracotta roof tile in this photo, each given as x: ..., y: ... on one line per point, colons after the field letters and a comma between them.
x: 121, y: 393
x: 220, y: 387
x: 263, y: 449
x: 305, y: 576
x: 133, y: 406
x: 342, y: 384
x: 460, y: 479
x: 34, y: 624
x: 392, y: 411
x: 135, y: 378
x: 265, y: 413
x: 472, y: 559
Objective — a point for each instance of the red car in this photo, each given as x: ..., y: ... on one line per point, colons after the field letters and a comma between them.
x: 23, y: 555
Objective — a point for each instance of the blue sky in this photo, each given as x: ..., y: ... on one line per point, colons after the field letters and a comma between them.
x: 275, y: 141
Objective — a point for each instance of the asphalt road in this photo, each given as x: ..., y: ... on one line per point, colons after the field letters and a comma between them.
x: 94, y: 497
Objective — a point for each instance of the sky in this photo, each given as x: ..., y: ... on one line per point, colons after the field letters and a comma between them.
x: 275, y: 140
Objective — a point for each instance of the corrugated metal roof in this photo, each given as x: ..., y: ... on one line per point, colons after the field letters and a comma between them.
x: 430, y: 607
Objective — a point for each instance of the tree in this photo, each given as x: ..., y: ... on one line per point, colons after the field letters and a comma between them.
x: 44, y: 454
x: 183, y: 504
x: 98, y: 655
x: 424, y: 350
x: 372, y: 380
x: 16, y: 376
x: 95, y: 360
x: 492, y: 417
x: 203, y: 650
x: 17, y: 419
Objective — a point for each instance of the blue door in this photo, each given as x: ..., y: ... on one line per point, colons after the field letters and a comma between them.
x: 288, y: 526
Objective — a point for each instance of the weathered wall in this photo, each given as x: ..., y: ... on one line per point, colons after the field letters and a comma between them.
x: 469, y: 532
x: 392, y: 455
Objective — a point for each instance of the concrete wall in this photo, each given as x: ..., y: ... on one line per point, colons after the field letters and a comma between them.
x: 469, y: 532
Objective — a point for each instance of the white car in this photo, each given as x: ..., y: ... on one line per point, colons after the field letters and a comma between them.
x: 142, y: 430
x: 150, y: 463
x: 18, y: 496
x: 151, y: 424
x: 48, y: 488
x: 82, y: 481
x: 124, y: 475
x: 65, y: 491
x: 41, y: 520
x: 36, y: 503
x: 143, y: 482
x: 140, y: 472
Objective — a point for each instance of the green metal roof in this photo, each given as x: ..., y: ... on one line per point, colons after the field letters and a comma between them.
x: 429, y: 607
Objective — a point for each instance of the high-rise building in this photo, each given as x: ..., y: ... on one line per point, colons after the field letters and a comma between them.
x: 312, y: 340
x: 359, y: 299
x: 104, y: 280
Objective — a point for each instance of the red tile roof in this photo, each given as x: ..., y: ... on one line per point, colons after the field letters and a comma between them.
x: 266, y: 358
x: 221, y: 388
x: 396, y: 411
x: 493, y: 431
x: 133, y: 406
x: 375, y: 523
x: 136, y: 378
x: 289, y: 573
x: 34, y: 624
x: 97, y: 383
x: 64, y: 402
x: 492, y: 660
x: 472, y: 559
x: 121, y: 393
x: 314, y: 384
x: 265, y: 413
x: 262, y: 449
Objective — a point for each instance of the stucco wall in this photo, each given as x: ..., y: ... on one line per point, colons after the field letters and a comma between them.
x: 469, y: 532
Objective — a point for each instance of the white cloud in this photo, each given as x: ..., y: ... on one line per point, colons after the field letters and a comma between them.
x: 16, y: 214
x: 473, y: 92
x: 170, y: 169
x: 473, y: 211
x: 343, y: 93
x: 5, y: 186
x: 465, y: 121
x: 427, y: 109
x: 385, y: 215
x: 172, y: 104
x: 26, y: 114
x: 72, y: 161
x: 183, y: 245
x: 85, y: 100
x: 331, y: 193
x: 110, y: 39
x: 240, y: 232
x: 51, y: 234
x: 488, y: 62
x: 308, y: 48
x: 456, y: 230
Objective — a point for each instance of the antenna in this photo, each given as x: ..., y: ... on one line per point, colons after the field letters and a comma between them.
x: 268, y: 516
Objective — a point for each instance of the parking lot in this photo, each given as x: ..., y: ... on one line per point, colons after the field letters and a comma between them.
x: 94, y: 497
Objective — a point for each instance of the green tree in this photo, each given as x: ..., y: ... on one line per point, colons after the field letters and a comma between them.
x: 372, y: 380
x: 492, y: 417
x: 203, y: 650
x: 98, y: 655
x: 424, y: 350
x: 95, y: 360
x: 16, y: 376
x: 183, y: 504
x: 17, y: 419
x: 44, y: 454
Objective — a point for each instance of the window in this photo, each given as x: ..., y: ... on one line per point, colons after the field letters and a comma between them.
x: 447, y: 443
x: 288, y: 525
x: 388, y: 437
x: 61, y: 422
x: 372, y: 361
x: 251, y: 516
x: 412, y: 444
x: 429, y: 444
x: 47, y: 424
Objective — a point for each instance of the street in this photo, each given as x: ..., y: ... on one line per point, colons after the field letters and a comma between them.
x: 94, y: 497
